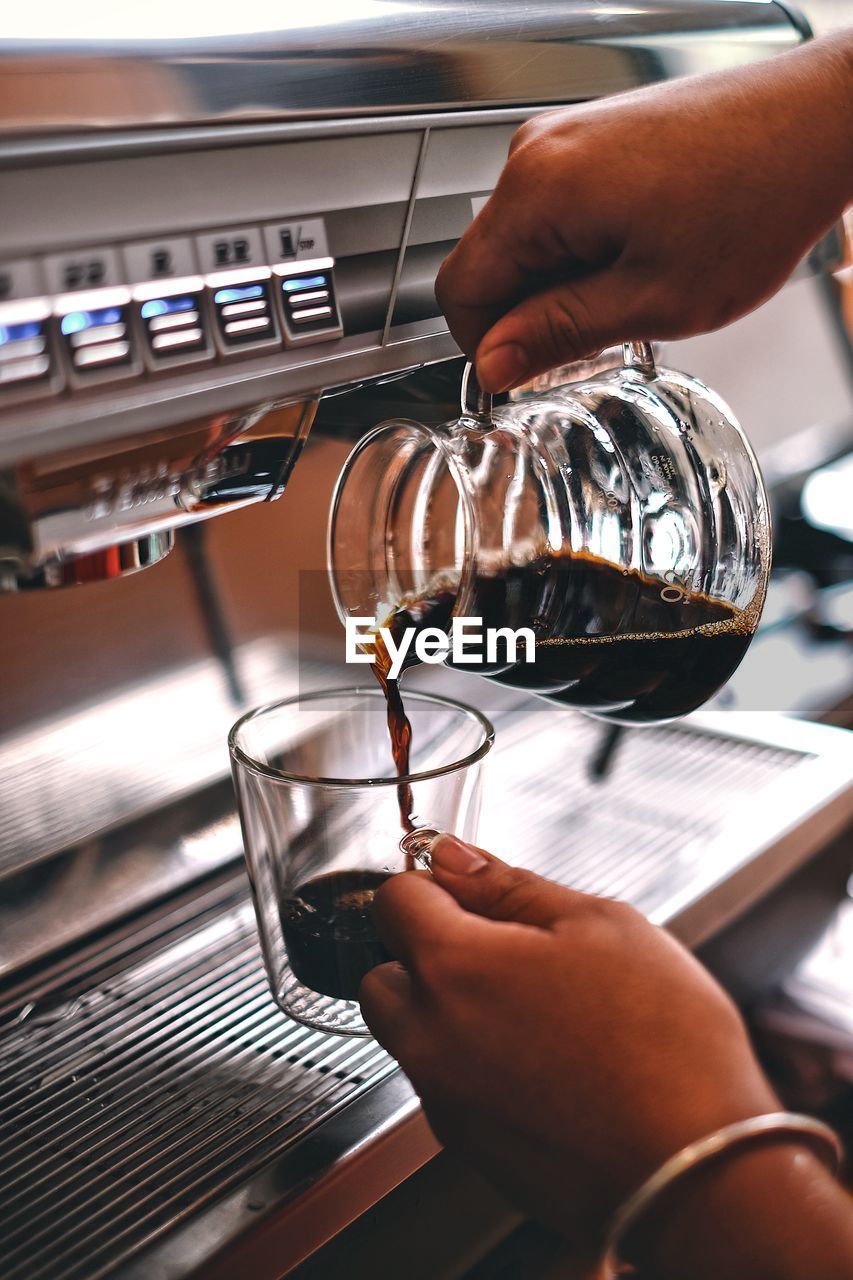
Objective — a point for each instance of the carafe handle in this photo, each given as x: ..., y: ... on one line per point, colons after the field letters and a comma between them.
x: 476, y: 403
x: 639, y: 356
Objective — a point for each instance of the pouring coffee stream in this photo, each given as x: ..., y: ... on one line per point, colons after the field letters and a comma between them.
x: 399, y: 730
x: 399, y: 726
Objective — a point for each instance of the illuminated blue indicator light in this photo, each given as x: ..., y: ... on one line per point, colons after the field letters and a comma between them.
x: 166, y: 306
x: 244, y: 294
x: 19, y: 332
x: 306, y: 282
x: 76, y: 321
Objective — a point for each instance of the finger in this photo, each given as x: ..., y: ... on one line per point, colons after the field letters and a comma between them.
x: 570, y: 321
x: 482, y: 884
x: 387, y: 1004
x: 522, y: 239
x: 414, y: 916
x: 483, y: 277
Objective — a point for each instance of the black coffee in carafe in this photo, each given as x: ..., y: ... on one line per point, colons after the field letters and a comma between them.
x: 608, y: 640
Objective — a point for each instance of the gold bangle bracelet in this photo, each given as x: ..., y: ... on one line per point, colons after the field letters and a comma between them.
x: 813, y: 1132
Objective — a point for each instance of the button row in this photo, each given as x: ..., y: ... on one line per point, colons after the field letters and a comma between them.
x: 93, y: 326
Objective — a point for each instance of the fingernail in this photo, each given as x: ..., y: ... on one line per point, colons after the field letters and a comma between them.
x: 452, y: 854
x: 502, y: 367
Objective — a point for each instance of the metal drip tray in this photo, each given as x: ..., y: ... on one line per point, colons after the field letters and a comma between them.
x: 684, y: 809
x: 156, y: 1075
x: 157, y: 1108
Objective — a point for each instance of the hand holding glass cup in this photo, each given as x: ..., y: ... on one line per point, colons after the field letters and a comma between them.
x: 318, y: 797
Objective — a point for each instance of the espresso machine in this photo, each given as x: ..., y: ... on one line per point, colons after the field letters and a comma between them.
x: 219, y: 238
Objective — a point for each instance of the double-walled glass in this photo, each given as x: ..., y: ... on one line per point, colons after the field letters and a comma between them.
x: 320, y: 805
x: 622, y: 520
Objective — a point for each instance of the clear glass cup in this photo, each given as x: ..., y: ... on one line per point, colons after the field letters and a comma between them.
x: 622, y: 521
x: 320, y: 804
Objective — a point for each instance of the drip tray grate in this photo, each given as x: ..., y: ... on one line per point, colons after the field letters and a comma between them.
x: 656, y: 827
x: 158, y: 1078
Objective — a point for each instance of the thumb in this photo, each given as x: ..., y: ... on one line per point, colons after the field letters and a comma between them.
x: 570, y: 321
x: 485, y: 886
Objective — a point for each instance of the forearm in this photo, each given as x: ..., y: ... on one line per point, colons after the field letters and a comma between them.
x: 786, y: 123
x: 815, y: 98
x: 770, y: 1213
x: 836, y: 55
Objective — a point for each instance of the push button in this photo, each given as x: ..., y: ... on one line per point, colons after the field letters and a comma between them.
x: 27, y: 366
x: 173, y: 320
x: 174, y: 327
x: 170, y: 300
x: 308, y: 303
x: 96, y: 334
x: 244, y: 312
x: 25, y: 358
x: 239, y: 284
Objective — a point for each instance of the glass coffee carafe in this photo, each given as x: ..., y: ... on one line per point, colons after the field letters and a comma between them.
x: 621, y: 519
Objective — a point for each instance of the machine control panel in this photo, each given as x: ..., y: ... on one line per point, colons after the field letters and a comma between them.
x: 113, y: 312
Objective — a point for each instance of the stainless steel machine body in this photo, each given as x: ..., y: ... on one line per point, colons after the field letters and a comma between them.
x: 201, y: 229
x: 205, y: 232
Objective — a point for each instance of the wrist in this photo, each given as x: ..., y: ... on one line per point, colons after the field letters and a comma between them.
x: 761, y: 1213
